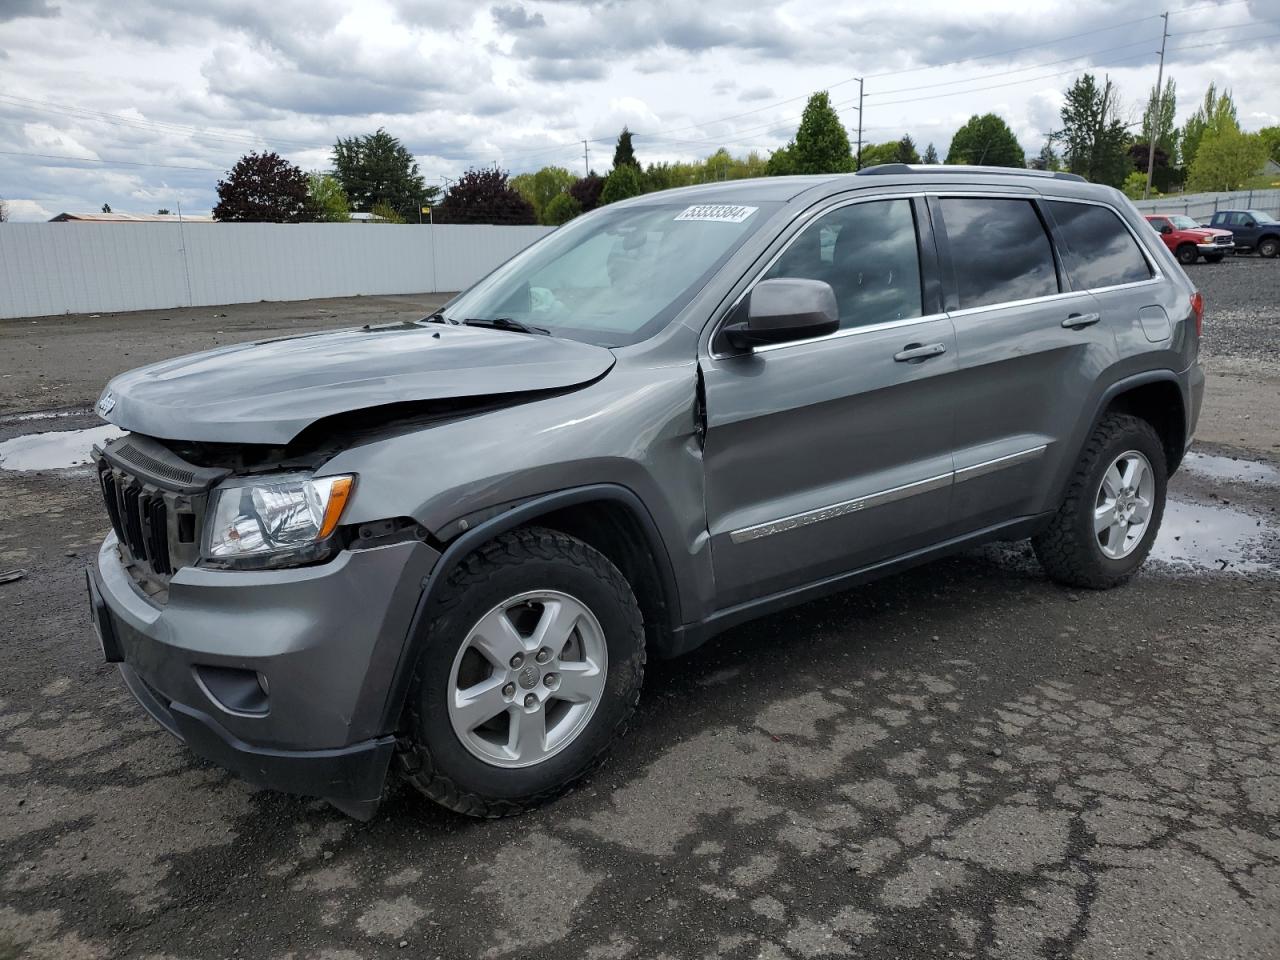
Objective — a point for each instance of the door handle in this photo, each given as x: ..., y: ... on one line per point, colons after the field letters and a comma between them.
x: 915, y: 352
x: 1078, y: 321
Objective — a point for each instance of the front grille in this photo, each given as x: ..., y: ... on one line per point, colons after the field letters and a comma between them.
x: 139, y: 517
x: 1222, y: 239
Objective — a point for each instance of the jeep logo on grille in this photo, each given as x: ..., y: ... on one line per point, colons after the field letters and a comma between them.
x: 107, y: 403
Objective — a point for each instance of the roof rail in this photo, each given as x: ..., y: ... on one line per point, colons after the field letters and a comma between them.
x: 887, y: 169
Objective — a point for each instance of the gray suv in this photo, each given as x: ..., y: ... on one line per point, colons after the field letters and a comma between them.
x: 449, y: 546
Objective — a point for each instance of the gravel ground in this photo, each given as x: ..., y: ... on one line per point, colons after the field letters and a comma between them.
x: 962, y: 761
x: 1241, y: 317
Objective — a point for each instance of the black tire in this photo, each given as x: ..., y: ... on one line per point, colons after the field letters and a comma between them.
x: 431, y: 756
x: 1068, y: 548
x: 1269, y: 247
x: 1187, y: 254
x: 1214, y: 257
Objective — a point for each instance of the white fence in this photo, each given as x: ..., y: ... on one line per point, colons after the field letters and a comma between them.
x: 1202, y: 206
x: 52, y: 268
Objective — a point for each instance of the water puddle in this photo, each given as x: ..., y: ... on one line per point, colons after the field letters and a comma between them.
x: 1226, y: 468
x: 56, y: 450
x: 1216, y: 538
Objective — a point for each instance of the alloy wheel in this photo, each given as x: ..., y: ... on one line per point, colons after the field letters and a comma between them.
x: 1123, y: 505
x: 527, y: 678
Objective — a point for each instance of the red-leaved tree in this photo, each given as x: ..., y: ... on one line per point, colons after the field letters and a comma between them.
x: 484, y: 196
x: 263, y: 188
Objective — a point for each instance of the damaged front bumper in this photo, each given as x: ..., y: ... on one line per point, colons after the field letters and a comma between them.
x: 284, y: 676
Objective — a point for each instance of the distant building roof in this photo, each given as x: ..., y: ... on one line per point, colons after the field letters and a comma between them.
x: 126, y: 218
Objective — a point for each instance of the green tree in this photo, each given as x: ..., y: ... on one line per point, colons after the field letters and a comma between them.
x: 327, y: 198
x: 1158, y: 119
x: 561, y: 209
x: 106, y: 208
x: 1271, y: 137
x: 4, y: 210
x: 384, y: 212
x: 930, y: 154
x: 624, y: 154
x: 876, y: 153
x: 484, y: 196
x: 162, y: 212
x: 1216, y: 114
x: 586, y: 190
x: 1226, y: 159
x: 543, y: 186
x: 1095, y: 141
x: 986, y: 141
x: 1135, y: 185
x: 1046, y: 159
x: 821, y: 144
x: 622, y: 182
x: 781, y: 162
x: 263, y: 188
x: 378, y: 168
x: 907, y: 150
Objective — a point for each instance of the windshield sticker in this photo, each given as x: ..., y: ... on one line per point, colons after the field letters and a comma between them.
x: 717, y: 212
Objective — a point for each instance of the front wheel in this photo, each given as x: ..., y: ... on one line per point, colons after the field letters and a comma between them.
x: 1112, y: 511
x: 531, y: 669
x: 1214, y: 257
x: 1269, y: 247
x: 1187, y: 254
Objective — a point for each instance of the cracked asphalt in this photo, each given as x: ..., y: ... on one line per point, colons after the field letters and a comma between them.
x: 960, y: 761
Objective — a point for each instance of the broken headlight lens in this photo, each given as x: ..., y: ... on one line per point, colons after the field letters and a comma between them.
x: 274, y: 520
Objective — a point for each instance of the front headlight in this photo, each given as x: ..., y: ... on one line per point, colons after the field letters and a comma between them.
x: 274, y: 520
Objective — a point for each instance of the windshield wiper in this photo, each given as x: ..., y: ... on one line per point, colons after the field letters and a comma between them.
x: 506, y: 323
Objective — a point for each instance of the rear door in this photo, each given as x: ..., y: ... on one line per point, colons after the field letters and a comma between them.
x: 1030, y: 348
x: 826, y: 455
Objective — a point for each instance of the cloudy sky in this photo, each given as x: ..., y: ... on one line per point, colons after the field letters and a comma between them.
x: 154, y: 100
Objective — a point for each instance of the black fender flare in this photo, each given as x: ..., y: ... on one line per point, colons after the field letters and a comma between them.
x: 519, y: 514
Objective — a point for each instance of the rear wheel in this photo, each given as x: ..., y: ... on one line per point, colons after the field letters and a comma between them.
x: 532, y: 667
x: 1112, y: 511
x: 1187, y: 254
x: 1269, y: 247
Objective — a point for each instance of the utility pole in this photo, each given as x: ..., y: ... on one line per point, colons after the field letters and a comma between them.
x: 586, y: 160
x: 857, y: 162
x: 1159, y: 106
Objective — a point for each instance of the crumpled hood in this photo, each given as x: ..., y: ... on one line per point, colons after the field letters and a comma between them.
x: 269, y: 391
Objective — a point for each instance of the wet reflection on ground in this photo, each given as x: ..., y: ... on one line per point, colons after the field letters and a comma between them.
x: 1216, y: 538
x: 54, y: 450
x: 1230, y: 469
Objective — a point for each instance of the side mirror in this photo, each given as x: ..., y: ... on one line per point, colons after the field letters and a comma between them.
x: 1166, y: 229
x: 1250, y: 223
x: 784, y: 309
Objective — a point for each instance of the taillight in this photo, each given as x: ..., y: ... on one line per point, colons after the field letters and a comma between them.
x: 1197, y: 307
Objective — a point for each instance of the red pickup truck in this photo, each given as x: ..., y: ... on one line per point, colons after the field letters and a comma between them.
x: 1190, y: 241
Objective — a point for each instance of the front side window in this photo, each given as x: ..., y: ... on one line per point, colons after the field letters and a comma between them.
x: 869, y: 255
x: 615, y: 276
x: 1103, y: 252
x: 1158, y: 224
x: 999, y: 249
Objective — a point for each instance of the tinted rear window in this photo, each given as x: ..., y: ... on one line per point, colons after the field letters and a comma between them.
x: 999, y: 249
x: 1103, y: 252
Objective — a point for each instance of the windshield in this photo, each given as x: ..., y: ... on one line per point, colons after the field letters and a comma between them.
x: 1261, y: 217
x: 615, y: 276
x: 1184, y: 223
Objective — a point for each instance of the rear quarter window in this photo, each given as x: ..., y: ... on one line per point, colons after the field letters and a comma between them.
x: 1102, y: 251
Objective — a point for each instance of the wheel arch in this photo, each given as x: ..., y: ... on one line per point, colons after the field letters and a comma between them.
x: 1156, y: 397
x: 609, y: 517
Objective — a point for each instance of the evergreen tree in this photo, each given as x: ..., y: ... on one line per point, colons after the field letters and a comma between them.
x: 624, y: 154
x: 1095, y: 140
x: 907, y: 150
x: 986, y: 141
x: 821, y: 144
x: 930, y: 154
x: 377, y: 168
